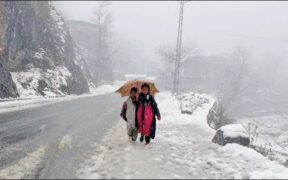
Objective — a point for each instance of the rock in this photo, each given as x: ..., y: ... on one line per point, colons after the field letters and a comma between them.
x: 231, y: 133
x: 217, y: 117
x: 36, y: 43
x: 7, y: 86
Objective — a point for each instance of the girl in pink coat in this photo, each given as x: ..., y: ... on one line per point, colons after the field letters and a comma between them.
x: 147, y: 110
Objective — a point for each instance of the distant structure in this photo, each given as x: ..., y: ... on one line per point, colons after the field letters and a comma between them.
x: 140, y: 76
x: 202, y: 73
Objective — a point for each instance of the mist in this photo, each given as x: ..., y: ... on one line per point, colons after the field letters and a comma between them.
x: 216, y: 29
x: 236, y: 51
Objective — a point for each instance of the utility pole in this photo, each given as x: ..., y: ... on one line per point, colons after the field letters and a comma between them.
x: 178, y: 50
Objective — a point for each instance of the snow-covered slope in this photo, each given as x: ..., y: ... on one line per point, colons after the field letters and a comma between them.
x: 182, y: 149
x: 39, y: 51
x: 30, y: 83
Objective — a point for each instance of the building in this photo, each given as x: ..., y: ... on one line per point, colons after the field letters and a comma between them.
x: 201, y: 73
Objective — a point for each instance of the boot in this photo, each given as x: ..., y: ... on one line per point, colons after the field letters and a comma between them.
x: 147, y: 139
x: 142, y: 138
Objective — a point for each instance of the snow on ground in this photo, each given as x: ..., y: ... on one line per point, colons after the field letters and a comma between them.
x: 234, y: 130
x: 182, y: 149
x: 103, y: 89
x: 274, y: 129
x: 66, y: 141
x: 271, y: 129
x: 15, y: 104
x: 25, y: 166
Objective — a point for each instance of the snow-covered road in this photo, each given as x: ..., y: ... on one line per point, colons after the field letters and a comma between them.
x: 16, y: 104
x: 182, y: 149
x: 41, y: 138
x: 86, y: 138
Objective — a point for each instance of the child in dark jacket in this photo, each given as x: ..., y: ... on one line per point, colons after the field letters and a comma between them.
x: 146, y: 112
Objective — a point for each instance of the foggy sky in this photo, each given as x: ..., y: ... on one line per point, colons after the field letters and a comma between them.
x: 215, y: 27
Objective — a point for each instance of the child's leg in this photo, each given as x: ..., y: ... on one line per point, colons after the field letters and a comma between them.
x: 129, y: 131
x: 142, y: 138
x: 134, y: 135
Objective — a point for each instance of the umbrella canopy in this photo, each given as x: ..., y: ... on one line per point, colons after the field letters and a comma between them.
x: 125, y: 89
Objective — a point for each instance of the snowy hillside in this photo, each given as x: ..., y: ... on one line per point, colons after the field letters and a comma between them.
x: 39, y: 52
x: 182, y: 149
x: 36, y: 82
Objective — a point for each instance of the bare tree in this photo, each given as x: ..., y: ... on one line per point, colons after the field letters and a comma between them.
x: 167, y: 54
x: 234, y: 81
x: 103, y: 62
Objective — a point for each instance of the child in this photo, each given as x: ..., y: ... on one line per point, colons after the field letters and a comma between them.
x: 128, y: 113
x: 146, y: 113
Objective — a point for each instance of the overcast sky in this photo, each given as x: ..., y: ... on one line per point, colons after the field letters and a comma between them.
x: 215, y: 27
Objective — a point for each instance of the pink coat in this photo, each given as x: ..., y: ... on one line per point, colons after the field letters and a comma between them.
x: 144, y: 127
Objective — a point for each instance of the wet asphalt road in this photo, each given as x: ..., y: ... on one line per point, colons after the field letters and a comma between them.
x: 84, y: 120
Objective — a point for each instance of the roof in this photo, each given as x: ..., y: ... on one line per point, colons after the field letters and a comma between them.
x: 203, y: 59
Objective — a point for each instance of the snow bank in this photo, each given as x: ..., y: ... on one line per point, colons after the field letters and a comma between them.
x: 234, y: 131
x: 262, y: 168
x: 170, y: 107
x: 191, y: 101
x: 274, y: 132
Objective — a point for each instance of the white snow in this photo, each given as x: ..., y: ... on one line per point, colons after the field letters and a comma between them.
x: 132, y: 76
x: 274, y: 133
x: 66, y: 141
x: 60, y: 74
x: 61, y: 25
x: 151, y: 78
x: 140, y: 76
x: 103, y: 89
x: 27, y: 82
x: 234, y: 130
x: 40, y: 54
x: 30, y: 78
x: 25, y: 166
x: 182, y: 149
